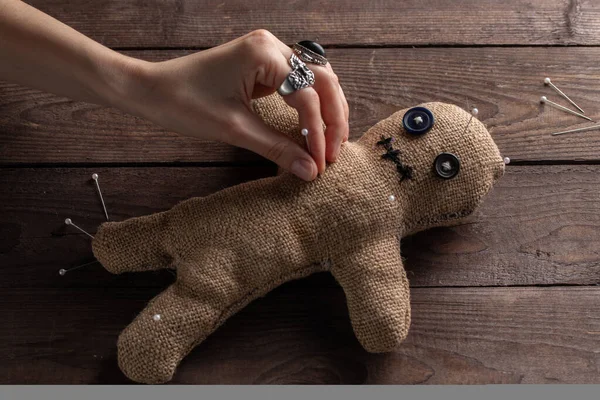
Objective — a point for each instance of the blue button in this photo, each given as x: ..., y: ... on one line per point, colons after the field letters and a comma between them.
x: 418, y: 121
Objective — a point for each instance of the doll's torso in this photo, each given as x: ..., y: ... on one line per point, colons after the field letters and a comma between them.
x: 285, y: 225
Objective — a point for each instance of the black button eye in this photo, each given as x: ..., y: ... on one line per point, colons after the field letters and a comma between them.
x: 446, y: 165
x: 418, y: 121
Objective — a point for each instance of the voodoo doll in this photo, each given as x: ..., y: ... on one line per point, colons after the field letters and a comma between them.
x: 419, y: 168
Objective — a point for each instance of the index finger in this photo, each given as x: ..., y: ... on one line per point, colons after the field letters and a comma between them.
x: 333, y: 104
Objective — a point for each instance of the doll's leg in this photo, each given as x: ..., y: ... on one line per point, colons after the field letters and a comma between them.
x: 152, y: 346
x: 377, y: 294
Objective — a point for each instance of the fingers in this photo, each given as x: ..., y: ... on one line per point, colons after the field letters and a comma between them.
x: 334, y: 106
x: 307, y: 103
x: 332, y: 110
x: 330, y: 99
x: 136, y: 244
x: 346, y: 111
x: 251, y: 133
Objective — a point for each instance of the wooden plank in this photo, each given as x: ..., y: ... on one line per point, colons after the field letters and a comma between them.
x: 540, y: 225
x: 301, y: 335
x: 203, y: 23
x: 504, y: 83
x: 35, y: 202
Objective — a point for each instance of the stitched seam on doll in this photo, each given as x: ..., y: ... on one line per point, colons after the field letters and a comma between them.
x: 405, y: 171
x: 443, y: 218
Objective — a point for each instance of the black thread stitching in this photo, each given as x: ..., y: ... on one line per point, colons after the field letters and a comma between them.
x: 405, y: 171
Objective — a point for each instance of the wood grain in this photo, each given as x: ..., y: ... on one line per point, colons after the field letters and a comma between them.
x: 203, y: 23
x: 540, y: 225
x: 504, y: 83
x: 300, y: 335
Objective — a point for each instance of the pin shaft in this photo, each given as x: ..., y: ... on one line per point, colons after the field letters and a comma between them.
x: 587, y: 128
x: 560, y: 92
x: 553, y: 104
x: 474, y: 112
x: 69, y: 222
x: 467, y: 127
x: 95, y: 178
x: 64, y: 271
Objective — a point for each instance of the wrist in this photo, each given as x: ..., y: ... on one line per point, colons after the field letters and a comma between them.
x: 126, y: 84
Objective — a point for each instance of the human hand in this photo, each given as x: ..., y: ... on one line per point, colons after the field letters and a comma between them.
x: 208, y: 95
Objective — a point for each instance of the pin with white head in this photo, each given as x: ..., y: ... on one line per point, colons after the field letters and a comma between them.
x: 544, y: 100
x: 95, y: 178
x: 304, y: 133
x: 70, y: 223
x: 506, y: 160
x: 474, y: 113
x: 63, y: 272
x: 548, y: 82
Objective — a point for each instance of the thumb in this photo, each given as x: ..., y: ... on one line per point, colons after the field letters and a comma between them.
x: 256, y: 136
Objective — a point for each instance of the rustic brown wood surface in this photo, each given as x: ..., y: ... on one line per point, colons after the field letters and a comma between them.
x: 556, y: 209
x: 205, y: 23
x: 509, y: 296
x: 504, y: 83
x: 299, y: 335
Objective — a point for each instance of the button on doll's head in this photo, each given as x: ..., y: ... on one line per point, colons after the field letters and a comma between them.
x: 446, y: 161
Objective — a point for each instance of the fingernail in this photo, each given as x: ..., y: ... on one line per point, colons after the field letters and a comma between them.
x: 303, y: 169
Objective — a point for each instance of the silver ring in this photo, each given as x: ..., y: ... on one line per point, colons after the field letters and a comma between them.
x: 300, y: 77
x: 309, y: 56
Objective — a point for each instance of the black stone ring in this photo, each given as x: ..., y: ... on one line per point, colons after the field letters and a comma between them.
x: 310, y: 52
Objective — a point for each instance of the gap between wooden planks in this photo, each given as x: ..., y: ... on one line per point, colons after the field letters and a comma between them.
x: 505, y: 84
x: 300, y: 335
x: 539, y: 226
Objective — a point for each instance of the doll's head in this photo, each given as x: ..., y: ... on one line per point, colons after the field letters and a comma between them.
x: 444, y: 158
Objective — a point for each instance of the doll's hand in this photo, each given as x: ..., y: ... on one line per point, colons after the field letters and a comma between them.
x: 208, y: 95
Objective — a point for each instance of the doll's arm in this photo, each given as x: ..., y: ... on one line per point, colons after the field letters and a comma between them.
x: 278, y: 115
x: 377, y: 294
x: 137, y: 244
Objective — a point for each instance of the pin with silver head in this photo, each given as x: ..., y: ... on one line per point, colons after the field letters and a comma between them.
x: 62, y: 271
x: 474, y: 112
x: 70, y: 223
x: 587, y: 128
x: 548, y: 82
x: 95, y: 178
x: 544, y: 100
x: 304, y: 133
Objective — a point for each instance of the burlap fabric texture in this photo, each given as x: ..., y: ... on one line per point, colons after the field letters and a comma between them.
x: 236, y: 245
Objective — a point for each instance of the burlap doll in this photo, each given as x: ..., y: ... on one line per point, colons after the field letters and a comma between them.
x: 417, y: 169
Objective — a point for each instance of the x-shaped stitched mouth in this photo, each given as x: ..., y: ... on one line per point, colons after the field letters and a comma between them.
x: 405, y: 171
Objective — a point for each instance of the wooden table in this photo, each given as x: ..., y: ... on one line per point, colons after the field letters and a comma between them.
x: 509, y: 296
